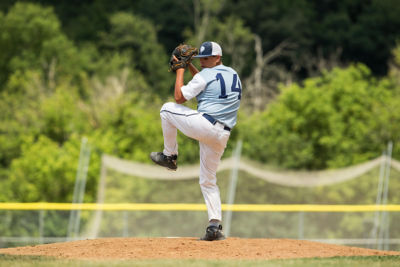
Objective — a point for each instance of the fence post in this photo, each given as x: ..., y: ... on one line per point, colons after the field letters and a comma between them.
x: 374, y: 232
x: 384, y: 230
x: 232, y: 187
x: 385, y: 223
x: 95, y: 225
x: 79, y: 188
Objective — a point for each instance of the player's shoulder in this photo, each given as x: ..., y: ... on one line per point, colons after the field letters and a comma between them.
x: 207, y: 73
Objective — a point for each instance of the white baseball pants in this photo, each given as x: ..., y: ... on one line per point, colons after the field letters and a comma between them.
x: 212, y: 140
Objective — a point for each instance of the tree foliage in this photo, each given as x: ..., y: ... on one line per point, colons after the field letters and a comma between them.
x: 138, y: 36
x: 341, y: 118
x: 347, y: 31
x: 31, y: 38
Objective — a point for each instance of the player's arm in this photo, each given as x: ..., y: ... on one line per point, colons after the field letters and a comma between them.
x: 179, y: 98
x: 192, y: 68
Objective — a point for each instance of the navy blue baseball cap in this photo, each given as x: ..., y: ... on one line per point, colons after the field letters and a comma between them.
x: 208, y: 49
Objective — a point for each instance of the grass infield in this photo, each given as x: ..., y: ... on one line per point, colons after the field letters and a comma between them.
x: 22, y: 261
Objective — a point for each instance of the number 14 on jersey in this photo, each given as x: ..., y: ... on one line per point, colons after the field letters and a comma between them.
x: 235, y: 87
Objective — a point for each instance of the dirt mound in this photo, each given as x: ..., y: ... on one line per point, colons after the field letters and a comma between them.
x: 191, y: 248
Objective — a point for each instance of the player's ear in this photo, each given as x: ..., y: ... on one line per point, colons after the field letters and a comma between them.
x: 219, y: 61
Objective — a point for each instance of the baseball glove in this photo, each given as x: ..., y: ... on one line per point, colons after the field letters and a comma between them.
x: 183, y: 54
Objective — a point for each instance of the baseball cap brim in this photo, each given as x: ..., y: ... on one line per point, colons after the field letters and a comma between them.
x: 198, y: 56
x: 208, y: 49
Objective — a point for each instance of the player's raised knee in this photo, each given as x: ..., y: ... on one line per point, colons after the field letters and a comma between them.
x: 167, y: 106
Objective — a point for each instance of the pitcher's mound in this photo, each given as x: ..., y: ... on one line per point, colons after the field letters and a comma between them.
x: 187, y: 248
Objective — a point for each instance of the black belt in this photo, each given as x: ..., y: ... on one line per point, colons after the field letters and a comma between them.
x: 214, y: 121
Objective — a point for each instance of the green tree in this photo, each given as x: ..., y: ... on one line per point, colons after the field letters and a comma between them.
x: 338, y: 119
x: 36, y: 176
x: 27, y: 108
x: 31, y: 38
x: 133, y: 34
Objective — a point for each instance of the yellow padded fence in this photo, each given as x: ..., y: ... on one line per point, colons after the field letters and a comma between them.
x: 198, y: 207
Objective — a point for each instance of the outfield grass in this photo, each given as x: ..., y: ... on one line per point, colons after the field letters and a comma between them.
x: 375, y: 261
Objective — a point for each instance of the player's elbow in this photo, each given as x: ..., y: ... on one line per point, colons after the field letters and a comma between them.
x: 180, y: 100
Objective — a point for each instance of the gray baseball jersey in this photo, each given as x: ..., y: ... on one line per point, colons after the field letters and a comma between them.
x: 218, y: 91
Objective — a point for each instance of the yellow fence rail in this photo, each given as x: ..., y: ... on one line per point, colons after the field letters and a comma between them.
x: 197, y: 207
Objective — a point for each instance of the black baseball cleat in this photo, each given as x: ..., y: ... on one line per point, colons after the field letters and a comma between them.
x: 213, y: 233
x: 166, y: 161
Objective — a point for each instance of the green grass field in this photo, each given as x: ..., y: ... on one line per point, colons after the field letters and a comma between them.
x: 375, y: 261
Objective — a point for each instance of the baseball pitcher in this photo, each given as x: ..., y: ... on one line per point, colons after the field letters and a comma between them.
x: 217, y: 89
